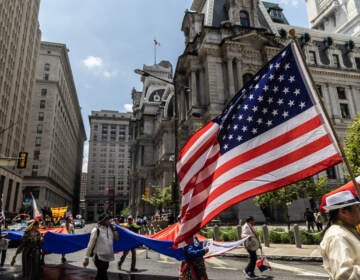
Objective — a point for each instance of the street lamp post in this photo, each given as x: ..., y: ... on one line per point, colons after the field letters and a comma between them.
x: 175, y: 185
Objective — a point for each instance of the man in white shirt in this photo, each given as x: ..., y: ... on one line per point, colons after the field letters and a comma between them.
x: 100, y: 246
x: 340, y: 246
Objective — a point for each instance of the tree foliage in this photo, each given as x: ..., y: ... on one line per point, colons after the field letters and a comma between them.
x: 352, y: 146
x: 160, y: 197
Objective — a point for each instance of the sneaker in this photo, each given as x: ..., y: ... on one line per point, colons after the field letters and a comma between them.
x: 252, y: 276
x: 247, y: 276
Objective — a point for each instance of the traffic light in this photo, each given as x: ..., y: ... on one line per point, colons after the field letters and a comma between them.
x: 147, y: 193
x: 22, y: 160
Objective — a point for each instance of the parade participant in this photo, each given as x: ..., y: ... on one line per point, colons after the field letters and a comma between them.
x: 100, y: 246
x: 70, y: 229
x: 30, y: 246
x: 319, y: 220
x: 193, y: 267
x: 251, y: 245
x: 3, y: 247
x: 341, y: 242
x: 134, y: 228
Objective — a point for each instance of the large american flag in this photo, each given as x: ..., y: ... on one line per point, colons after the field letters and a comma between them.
x: 272, y: 134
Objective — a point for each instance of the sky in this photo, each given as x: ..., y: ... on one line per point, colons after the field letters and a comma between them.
x: 108, y: 39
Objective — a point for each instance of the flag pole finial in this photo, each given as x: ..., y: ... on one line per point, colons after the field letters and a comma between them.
x: 292, y: 33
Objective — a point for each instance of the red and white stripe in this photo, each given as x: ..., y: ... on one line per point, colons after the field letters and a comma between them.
x: 211, y: 183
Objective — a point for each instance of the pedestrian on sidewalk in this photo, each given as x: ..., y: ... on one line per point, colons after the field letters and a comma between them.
x: 341, y: 242
x: 134, y: 228
x: 251, y: 245
x: 100, y: 246
x: 193, y: 267
x: 30, y: 246
x: 310, y: 219
x: 69, y: 225
x: 319, y: 220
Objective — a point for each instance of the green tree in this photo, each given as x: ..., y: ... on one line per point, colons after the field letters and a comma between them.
x: 352, y: 146
x: 284, y: 197
x: 160, y: 197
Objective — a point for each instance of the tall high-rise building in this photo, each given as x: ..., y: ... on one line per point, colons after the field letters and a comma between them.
x: 108, y: 163
x: 334, y: 16
x: 56, y: 132
x: 19, y: 45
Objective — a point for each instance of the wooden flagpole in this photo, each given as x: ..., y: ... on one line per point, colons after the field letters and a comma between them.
x: 347, y: 164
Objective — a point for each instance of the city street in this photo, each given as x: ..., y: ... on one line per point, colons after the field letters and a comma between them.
x: 152, y: 265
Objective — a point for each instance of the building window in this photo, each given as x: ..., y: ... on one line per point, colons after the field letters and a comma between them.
x: 36, y: 155
x: 357, y: 62
x: 42, y: 104
x: 41, y: 116
x: 43, y: 92
x: 341, y: 93
x: 319, y: 90
x: 39, y: 128
x: 46, y: 76
x: 38, y: 141
x: 344, y: 109
x: 331, y: 173
x: 46, y: 66
x: 34, y: 173
x: 336, y: 61
x: 312, y: 58
x: 244, y: 19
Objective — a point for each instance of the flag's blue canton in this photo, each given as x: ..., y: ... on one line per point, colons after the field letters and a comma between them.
x: 276, y: 94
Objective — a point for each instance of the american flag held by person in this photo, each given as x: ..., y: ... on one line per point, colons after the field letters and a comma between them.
x: 273, y: 133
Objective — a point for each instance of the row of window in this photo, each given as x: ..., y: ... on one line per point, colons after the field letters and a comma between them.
x: 335, y: 60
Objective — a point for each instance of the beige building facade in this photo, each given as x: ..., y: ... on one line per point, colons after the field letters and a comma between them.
x: 19, y: 45
x: 153, y: 161
x: 56, y: 133
x: 108, y: 163
x: 228, y: 41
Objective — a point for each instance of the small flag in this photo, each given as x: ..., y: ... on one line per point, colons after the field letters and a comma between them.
x: 272, y: 134
x: 36, y: 213
x: 156, y: 43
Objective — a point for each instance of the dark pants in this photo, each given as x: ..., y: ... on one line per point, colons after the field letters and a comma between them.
x: 3, y: 257
x: 102, y: 268
x: 133, y: 258
x: 252, y: 262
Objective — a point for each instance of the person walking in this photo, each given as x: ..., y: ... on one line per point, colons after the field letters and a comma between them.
x: 134, y: 228
x: 30, y: 246
x: 100, y: 246
x: 340, y: 245
x: 309, y: 219
x: 319, y: 220
x: 3, y: 247
x: 251, y: 245
x: 69, y: 225
x: 193, y: 267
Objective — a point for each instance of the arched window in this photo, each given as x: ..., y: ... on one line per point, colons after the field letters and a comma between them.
x: 244, y: 18
x: 46, y: 66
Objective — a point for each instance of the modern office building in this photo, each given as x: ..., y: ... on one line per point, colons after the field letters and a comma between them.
x: 227, y: 42
x: 108, y: 163
x: 334, y: 16
x: 56, y: 133
x: 19, y: 45
x: 153, y: 161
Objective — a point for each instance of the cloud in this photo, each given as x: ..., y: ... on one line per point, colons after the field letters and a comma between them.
x: 85, y: 157
x: 128, y: 107
x: 96, y: 65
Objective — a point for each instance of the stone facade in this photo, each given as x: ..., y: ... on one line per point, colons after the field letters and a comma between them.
x: 335, y: 16
x: 108, y: 163
x: 153, y: 133
x: 56, y: 134
x: 227, y: 42
x: 19, y: 45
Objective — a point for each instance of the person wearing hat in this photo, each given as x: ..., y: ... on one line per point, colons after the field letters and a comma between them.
x: 134, y: 228
x: 340, y: 246
x: 30, y: 247
x: 251, y: 245
x: 100, y: 246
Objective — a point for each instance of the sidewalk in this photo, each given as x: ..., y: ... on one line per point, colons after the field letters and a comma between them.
x: 287, y: 252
